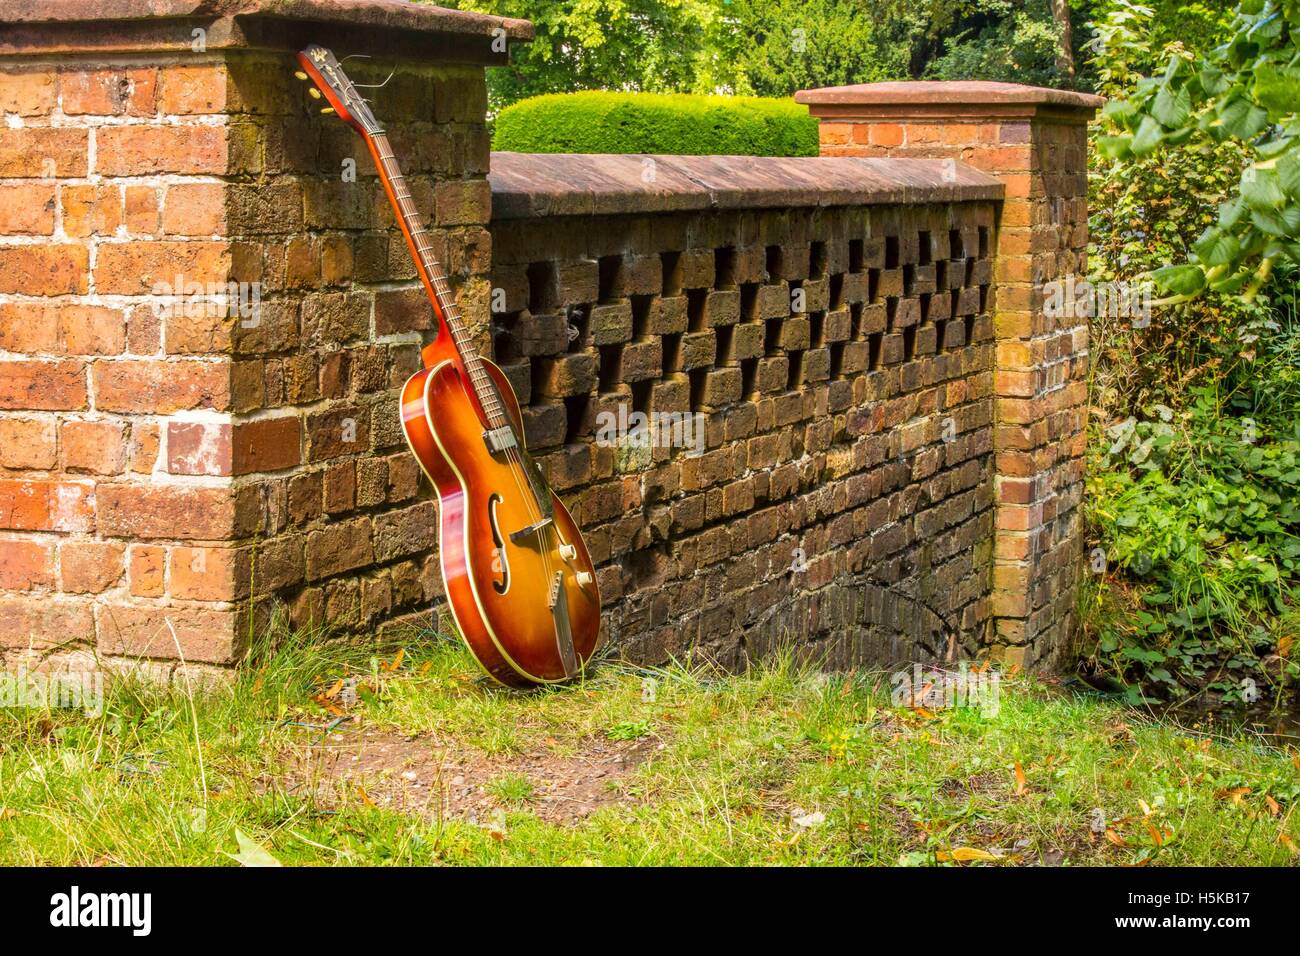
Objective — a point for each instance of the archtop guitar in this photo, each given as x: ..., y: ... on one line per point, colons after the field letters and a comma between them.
x: 518, y: 577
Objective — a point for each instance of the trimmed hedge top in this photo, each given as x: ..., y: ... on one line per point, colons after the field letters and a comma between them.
x: 680, y: 124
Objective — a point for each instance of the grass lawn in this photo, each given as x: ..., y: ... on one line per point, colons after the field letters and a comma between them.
x: 331, y: 757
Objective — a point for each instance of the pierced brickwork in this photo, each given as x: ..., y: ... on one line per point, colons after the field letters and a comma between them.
x: 841, y: 360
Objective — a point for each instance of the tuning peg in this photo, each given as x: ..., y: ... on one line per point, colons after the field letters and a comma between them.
x: 328, y: 109
x: 301, y: 75
x: 313, y: 93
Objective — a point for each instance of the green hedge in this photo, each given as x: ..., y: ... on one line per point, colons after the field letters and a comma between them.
x: 673, y: 123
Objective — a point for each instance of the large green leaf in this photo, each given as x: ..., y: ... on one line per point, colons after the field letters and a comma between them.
x: 1261, y: 188
x: 1277, y: 89
x: 1277, y: 222
x: 1241, y: 118
x: 1288, y: 174
x: 1148, y: 136
x: 1180, y: 280
x: 1216, y: 247
x: 1172, y: 107
x: 1212, y: 80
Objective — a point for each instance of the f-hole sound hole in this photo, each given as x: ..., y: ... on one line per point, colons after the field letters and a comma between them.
x: 500, y: 570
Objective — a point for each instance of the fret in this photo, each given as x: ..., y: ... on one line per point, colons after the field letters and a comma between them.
x: 416, y: 232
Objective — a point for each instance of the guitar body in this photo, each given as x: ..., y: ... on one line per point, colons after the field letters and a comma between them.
x: 501, y: 591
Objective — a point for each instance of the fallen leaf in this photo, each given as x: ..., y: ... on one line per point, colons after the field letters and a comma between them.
x: 1022, y: 786
x: 250, y: 853
x: 365, y: 797
x: 1233, y: 794
x: 814, y: 819
x: 1115, y: 838
x: 964, y: 854
x: 334, y: 689
x: 1156, y: 836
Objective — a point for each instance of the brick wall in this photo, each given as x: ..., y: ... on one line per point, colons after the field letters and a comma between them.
x: 1035, y: 141
x: 204, y: 310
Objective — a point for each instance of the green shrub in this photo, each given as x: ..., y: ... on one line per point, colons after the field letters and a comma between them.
x: 1196, y: 515
x: 677, y: 123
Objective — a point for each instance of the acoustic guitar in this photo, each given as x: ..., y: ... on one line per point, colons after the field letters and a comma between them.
x: 518, y: 577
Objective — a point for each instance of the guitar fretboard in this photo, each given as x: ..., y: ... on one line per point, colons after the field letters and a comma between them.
x: 445, y: 302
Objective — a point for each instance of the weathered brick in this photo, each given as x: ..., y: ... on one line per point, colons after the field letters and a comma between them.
x: 53, y: 385
x: 108, y: 92
x: 25, y: 565
x: 28, y: 443
x: 165, y: 511
x: 340, y: 547
x: 45, y: 152
x: 27, y: 209
x: 93, y: 447
x: 200, y: 634
x: 168, y: 268
x: 152, y: 150
x: 60, y: 269
x: 91, y: 567
x: 147, y: 385
x: 41, y: 622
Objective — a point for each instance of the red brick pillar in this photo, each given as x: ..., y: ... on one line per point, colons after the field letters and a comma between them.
x: 206, y: 312
x: 1035, y: 141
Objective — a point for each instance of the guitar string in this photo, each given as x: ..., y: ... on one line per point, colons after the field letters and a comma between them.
x: 493, y: 409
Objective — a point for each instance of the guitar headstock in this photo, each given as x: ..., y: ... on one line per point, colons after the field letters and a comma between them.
x: 321, y: 68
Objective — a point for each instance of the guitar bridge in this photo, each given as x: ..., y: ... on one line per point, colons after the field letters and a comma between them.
x: 500, y: 439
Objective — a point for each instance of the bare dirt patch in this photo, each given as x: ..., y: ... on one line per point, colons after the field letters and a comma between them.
x: 431, y: 776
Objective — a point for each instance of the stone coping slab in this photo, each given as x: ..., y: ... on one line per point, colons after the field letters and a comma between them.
x: 580, y: 184
x: 394, y: 14
x: 931, y: 93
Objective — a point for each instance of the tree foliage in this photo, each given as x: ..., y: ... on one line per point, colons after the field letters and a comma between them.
x: 1245, y: 91
x: 769, y: 47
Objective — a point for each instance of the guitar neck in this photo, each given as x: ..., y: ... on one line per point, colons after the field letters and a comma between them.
x: 435, y: 280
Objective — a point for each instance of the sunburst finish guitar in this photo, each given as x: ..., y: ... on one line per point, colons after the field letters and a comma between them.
x: 518, y: 577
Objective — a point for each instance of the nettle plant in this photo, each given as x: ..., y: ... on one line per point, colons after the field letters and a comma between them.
x: 1247, y: 91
